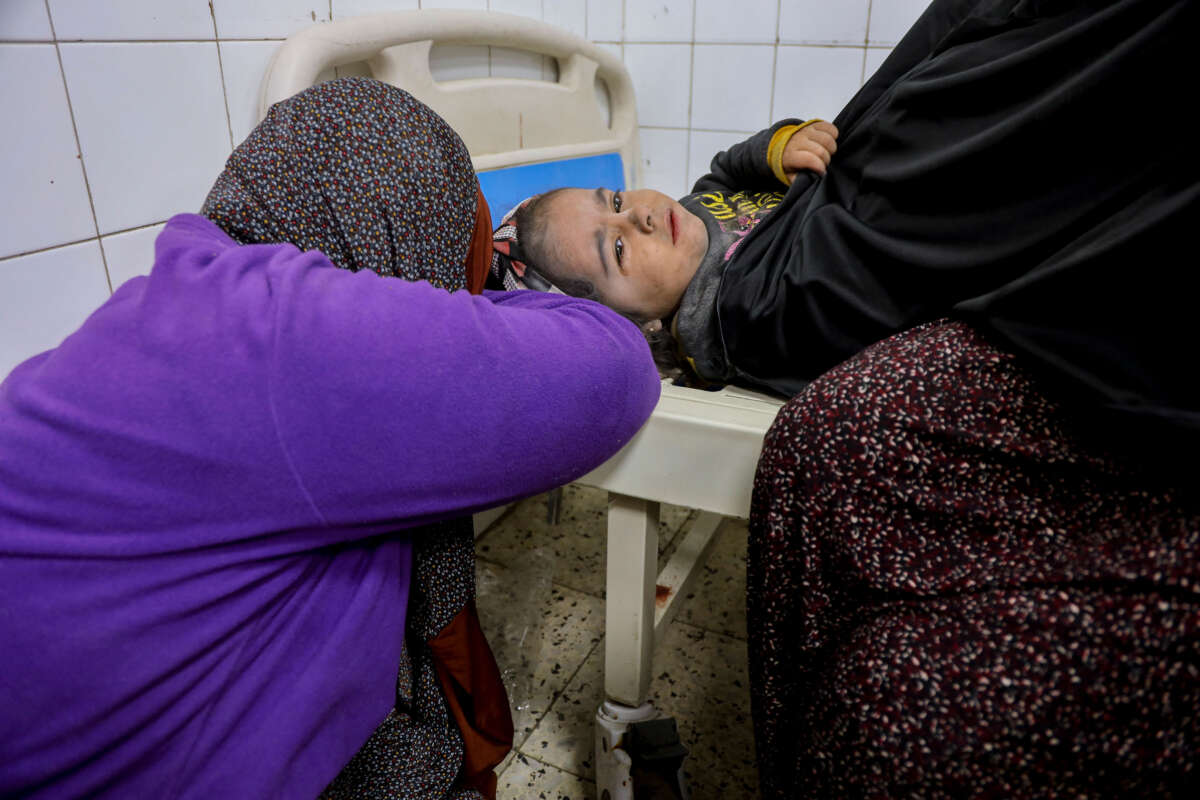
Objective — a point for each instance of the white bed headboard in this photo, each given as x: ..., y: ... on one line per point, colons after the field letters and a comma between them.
x: 503, y: 121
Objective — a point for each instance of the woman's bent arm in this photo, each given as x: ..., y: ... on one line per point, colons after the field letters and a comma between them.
x: 398, y: 398
x: 244, y: 391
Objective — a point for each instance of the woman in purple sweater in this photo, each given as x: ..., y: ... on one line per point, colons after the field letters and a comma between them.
x: 208, y: 492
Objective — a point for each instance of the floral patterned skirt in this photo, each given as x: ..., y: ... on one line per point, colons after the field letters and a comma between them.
x: 952, y: 591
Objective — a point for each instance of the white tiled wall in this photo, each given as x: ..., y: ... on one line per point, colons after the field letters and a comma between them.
x: 120, y: 114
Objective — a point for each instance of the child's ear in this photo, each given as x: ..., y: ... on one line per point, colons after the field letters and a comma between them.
x: 652, y: 326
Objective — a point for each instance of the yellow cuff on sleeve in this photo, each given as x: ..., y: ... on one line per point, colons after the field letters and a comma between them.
x: 775, y: 149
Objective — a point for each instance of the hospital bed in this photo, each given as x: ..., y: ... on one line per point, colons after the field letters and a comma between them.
x: 698, y: 449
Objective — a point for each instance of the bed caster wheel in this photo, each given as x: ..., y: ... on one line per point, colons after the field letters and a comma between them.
x: 638, y: 755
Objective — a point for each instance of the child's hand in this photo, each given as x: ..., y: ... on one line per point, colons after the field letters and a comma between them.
x: 811, y: 147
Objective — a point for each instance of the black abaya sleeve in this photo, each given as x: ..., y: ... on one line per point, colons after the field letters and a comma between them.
x: 986, y: 172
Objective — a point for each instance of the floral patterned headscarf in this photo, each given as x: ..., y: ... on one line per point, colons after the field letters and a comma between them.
x: 365, y: 173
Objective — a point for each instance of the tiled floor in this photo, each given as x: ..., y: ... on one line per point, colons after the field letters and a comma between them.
x: 541, y: 598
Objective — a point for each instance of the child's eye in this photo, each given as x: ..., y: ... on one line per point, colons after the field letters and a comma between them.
x: 619, y: 249
x: 617, y: 202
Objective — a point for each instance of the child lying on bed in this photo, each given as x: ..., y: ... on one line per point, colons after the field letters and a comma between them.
x: 638, y: 251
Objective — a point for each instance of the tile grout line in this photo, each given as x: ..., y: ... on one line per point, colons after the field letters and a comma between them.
x: 697, y: 130
x: 546, y: 60
x: 687, y: 145
x: 145, y: 41
x: 862, y: 75
x: 710, y: 631
x: 621, y: 44
x: 79, y: 149
x: 557, y: 696
x: 517, y: 754
x: 492, y: 562
x: 876, y: 45
x: 775, y: 62
x: 490, y: 67
x: 624, y: 19
x: 97, y: 237
x: 758, y: 43
x: 212, y: 13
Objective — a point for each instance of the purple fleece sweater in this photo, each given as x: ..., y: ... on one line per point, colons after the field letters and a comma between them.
x: 201, y: 594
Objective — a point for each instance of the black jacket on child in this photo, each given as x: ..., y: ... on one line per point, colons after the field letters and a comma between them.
x: 1017, y: 164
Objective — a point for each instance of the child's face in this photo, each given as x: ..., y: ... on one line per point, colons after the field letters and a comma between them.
x: 639, y: 248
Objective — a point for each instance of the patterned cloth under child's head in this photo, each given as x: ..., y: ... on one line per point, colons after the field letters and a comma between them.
x: 508, y: 260
x: 360, y: 170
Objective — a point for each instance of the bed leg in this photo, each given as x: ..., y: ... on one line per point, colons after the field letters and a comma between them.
x: 632, y: 740
x: 629, y: 598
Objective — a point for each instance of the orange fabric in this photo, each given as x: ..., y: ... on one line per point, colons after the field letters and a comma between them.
x: 475, y: 694
x: 479, y: 257
x: 462, y: 658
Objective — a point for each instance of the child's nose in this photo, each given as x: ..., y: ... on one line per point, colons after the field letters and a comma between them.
x: 642, y: 218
